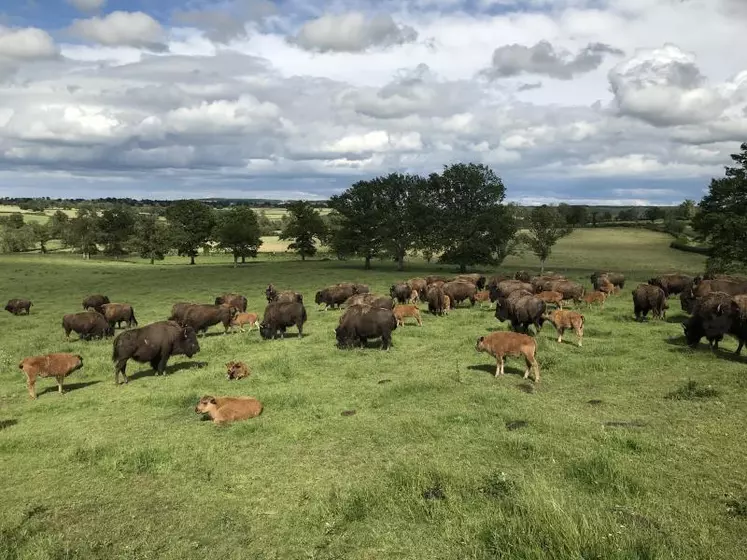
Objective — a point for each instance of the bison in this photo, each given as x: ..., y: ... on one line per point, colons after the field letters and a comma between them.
x: 95, y: 302
x: 478, y: 280
x: 361, y: 322
x: 242, y: 319
x: 459, y: 291
x: 334, y: 296
x: 57, y: 365
x: 16, y: 306
x: 401, y: 292
x: 179, y: 311
x: 614, y: 278
x: 595, y: 297
x: 502, y: 344
x: 202, y: 317
x: 522, y: 309
x: 570, y: 290
x: 232, y: 300
x: 88, y: 325
x: 714, y: 316
x: 279, y: 316
x: 237, y: 370
x: 287, y: 296
x: 420, y: 285
x: 649, y: 298
x: 523, y: 276
x: 229, y: 409
x: 504, y: 288
x: 155, y: 344
x: 556, y: 298
x: 435, y: 297
x: 701, y: 288
x: 370, y: 299
x: 563, y: 319
x: 401, y: 312
x: 672, y: 284
x: 116, y: 313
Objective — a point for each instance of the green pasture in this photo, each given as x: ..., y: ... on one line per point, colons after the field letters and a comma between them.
x: 613, y: 455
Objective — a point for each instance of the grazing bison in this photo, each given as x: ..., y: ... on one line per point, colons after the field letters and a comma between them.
x: 279, y: 316
x: 570, y: 290
x: 232, y: 300
x: 420, y: 285
x: 672, y: 284
x: 522, y: 309
x: 614, y: 278
x: 155, y: 344
x: 435, y: 297
x: 502, y: 344
x: 202, y: 317
x: 460, y: 291
x: 116, y: 313
x: 370, y: 299
x: 242, y: 319
x: 334, y: 296
x: 714, y: 316
x: 88, y: 325
x: 223, y: 410
x: 361, y: 288
x: 16, y: 306
x: 361, y: 322
x: 483, y: 297
x: 704, y: 287
x: 57, y: 365
x: 649, y: 298
x: 95, y: 302
x: 401, y: 312
x: 401, y: 292
x: 563, y: 319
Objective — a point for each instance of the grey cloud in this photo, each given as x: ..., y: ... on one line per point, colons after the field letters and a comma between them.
x: 543, y: 59
x: 229, y: 22
x: 131, y: 29
x: 352, y: 32
x: 87, y: 5
x: 529, y: 86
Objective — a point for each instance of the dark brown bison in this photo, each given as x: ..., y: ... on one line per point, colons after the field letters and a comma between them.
x: 715, y: 315
x: 117, y: 313
x: 279, y: 316
x: 504, y: 288
x: 522, y: 309
x: 478, y: 280
x: 496, y: 279
x: 179, y: 311
x: 401, y: 292
x: 544, y: 283
x: 435, y: 297
x: 704, y: 287
x: 460, y: 291
x: 18, y: 306
x: 287, y: 296
x: 672, y: 284
x: 523, y: 276
x: 570, y: 290
x: 155, y: 344
x: 88, y: 325
x: 649, y: 298
x: 420, y: 285
x: 201, y: 317
x: 372, y: 300
x: 334, y: 296
x: 95, y: 302
x: 436, y: 278
x: 362, y: 322
x: 615, y: 278
x: 232, y: 300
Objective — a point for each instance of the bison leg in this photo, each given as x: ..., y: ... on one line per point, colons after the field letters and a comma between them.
x: 120, y: 368
x: 739, y: 348
x: 386, y: 341
x: 561, y: 330
x: 31, y: 385
x: 499, y: 366
x: 60, y: 381
x: 162, y: 364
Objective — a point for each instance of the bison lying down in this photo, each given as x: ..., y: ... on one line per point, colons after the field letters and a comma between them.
x: 154, y: 343
x: 502, y: 344
x: 58, y: 365
x: 229, y: 409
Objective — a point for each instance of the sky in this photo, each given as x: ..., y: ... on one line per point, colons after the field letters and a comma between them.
x: 579, y: 101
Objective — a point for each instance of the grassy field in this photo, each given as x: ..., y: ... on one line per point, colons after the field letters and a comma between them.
x: 439, y: 461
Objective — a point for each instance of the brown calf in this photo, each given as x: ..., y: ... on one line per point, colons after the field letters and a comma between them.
x: 242, y: 319
x: 58, y: 365
x: 414, y: 298
x: 237, y: 370
x: 403, y: 311
x: 483, y: 297
x: 551, y: 297
x: 229, y: 409
x: 563, y: 320
x: 502, y: 344
x: 595, y: 297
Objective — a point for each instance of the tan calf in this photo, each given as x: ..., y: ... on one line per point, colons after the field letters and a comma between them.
x: 229, y: 409
x: 401, y: 312
x: 447, y: 304
x: 504, y: 343
x: 58, y: 365
x: 414, y: 298
x: 237, y: 370
x: 550, y: 296
x: 483, y: 297
x: 242, y: 319
x: 595, y: 297
x: 563, y: 319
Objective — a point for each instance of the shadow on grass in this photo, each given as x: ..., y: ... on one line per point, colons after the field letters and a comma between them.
x: 67, y: 387
x: 7, y: 423
x: 490, y: 368
x: 680, y: 345
x: 169, y: 369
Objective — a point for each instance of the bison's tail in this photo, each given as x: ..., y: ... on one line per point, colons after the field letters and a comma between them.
x: 303, y: 313
x: 132, y: 316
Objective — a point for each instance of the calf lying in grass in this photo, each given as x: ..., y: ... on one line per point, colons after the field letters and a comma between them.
x: 237, y: 370
x: 401, y: 312
x: 229, y: 409
x: 58, y: 365
x: 502, y: 344
x: 563, y: 319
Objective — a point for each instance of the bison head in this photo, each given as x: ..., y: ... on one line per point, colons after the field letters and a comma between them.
x: 693, y: 332
x: 271, y: 293
x: 318, y: 298
x: 188, y: 344
x: 501, y: 309
x: 206, y: 404
x: 480, y: 346
x: 266, y: 331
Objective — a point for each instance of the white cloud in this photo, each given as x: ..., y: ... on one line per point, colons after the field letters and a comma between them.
x: 87, y: 5
x: 134, y: 29
x: 352, y: 32
x: 26, y: 43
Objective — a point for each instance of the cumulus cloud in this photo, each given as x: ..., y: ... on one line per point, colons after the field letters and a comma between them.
x: 665, y: 87
x: 352, y: 32
x: 543, y: 59
x: 229, y: 22
x: 132, y: 29
x: 26, y: 43
x: 87, y: 5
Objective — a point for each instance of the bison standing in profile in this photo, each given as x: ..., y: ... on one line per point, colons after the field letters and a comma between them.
x: 572, y: 291
x: 155, y: 344
x: 116, y: 313
x: 701, y: 288
x: 478, y: 280
x: 649, y: 298
x: 459, y: 291
x: 88, y: 325
x: 95, y: 302
x: 503, y: 344
x: 17, y: 306
x: 615, y: 278
x: 57, y: 365
x: 279, y: 316
x: 361, y: 322
x: 232, y: 300
x: 672, y: 284
x: 504, y: 288
x: 334, y: 296
x: 201, y: 317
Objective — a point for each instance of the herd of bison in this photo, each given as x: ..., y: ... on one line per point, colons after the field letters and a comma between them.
x: 717, y: 305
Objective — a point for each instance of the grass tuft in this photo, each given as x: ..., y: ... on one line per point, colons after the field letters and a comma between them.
x: 691, y: 391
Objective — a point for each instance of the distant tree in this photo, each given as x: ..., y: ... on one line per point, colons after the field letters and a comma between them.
x: 59, y: 225
x: 546, y: 226
x: 192, y: 224
x: 336, y: 235
x: 304, y: 224
x: 671, y: 222
x: 152, y: 238
x: 577, y: 216
x: 628, y: 215
x: 238, y: 231
x: 654, y: 213
x: 116, y: 226
x: 83, y: 232
x: 358, y: 228
x: 42, y: 233
x: 14, y: 221
x: 473, y: 225
x: 606, y: 216
x: 686, y: 210
x: 266, y: 225
x: 722, y: 219
x: 16, y: 240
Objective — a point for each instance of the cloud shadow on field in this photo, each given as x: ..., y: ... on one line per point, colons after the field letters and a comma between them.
x: 68, y: 387
x: 171, y: 369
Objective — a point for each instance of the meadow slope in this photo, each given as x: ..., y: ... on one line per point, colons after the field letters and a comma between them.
x: 440, y: 460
